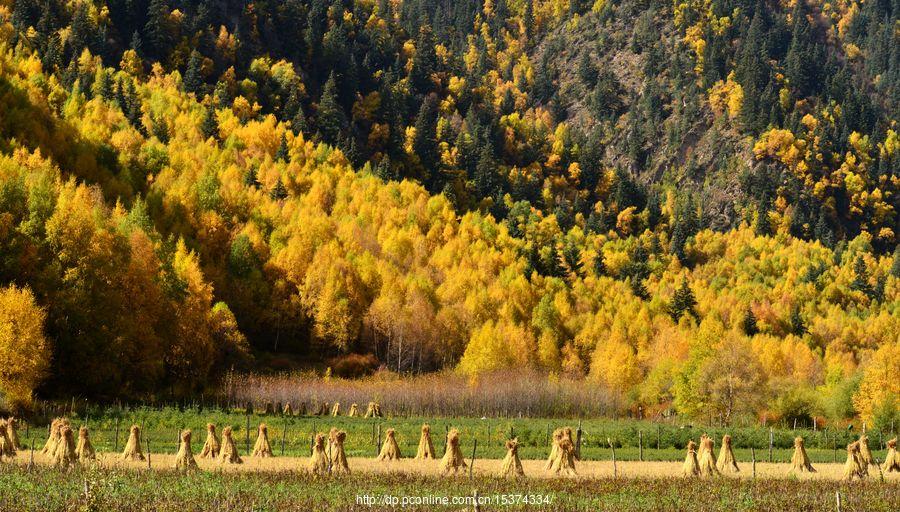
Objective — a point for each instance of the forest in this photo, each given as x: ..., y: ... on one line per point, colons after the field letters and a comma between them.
x: 691, y: 204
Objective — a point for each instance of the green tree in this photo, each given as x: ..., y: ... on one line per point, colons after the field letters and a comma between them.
x: 193, y: 78
x: 683, y: 302
x: 331, y: 120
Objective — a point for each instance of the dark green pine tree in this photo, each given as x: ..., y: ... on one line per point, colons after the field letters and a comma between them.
x: 137, y: 44
x: 157, y: 39
x: 278, y: 192
x: 250, y: 179
x: 331, y: 120
x: 424, y: 62
x: 282, y: 155
x: 861, y: 277
x: 599, y: 264
x: 543, y: 81
x: 683, y: 302
x: 895, y: 267
x: 486, y: 171
x: 748, y: 323
x: 210, y: 125
x: 425, y: 143
x: 386, y: 171
x: 53, y: 55
x: 800, y: 66
x: 798, y: 326
x: 638, y: 289
x: 82, y: 31
x: 762, y: 226
x: 587, y: 72
x: 193, y: 77
x: 298, y: 122
x: 105, y: 86
x: 528, y: 20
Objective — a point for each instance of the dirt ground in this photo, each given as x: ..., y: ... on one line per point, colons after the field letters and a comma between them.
x: 483, y: 467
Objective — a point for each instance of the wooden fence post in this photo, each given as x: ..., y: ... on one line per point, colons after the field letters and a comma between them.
x: 148, y: 452
x: 247, y: 437
x: 378, y: 442
x: 613, y: 448
x: 837, y: 497
x: 578, y: 441
x: 116, y: 447
x: 771, y: 442
x: 753, y: 461
x: 641, y: 445
x: 283, y: 435
x: 472, y: 464
x: 657, y: 436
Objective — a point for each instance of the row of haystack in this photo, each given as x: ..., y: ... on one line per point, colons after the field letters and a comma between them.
x: 334, y: 410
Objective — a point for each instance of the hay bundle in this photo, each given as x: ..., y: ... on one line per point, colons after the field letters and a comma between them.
x: 269, y: 410
x: 184, y: 459
x: 800, y: 460
x: 727, y: 463
x: 373, y: 410
x: 287, y: 411
x: 354, y: 411
x: 865, y: 453
x: 64, y: 454
x: 338, y: 456
x: 262, y: 447
x: 453, y: 459
x: 133, y: 446
x: 229, y: 453
x: 301, y: 409
x: 426, y: 449
x: 12, y: 435
x: 691, y: 466
x: 318, y: 461
x: 564, y: 463
x: 554, y: 448
x: 512, y: 466
x: 854, y: 467
x: 55, y: 432
x: 707, y: 459
x: 390, y: 450
x: 7, y: 448
x: 892, y: 459
x: 212, y: 446
x: 336, y: 410
x: 84, y: 450
x: 322, y: 410
x: 4, y: 444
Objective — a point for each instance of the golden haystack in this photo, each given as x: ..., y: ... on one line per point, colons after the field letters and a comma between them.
x: 800, y: 460
x: 84, y: 450
x: 4, y: 444
x: 691, y: 466
x: 338, y: 456
x: 262, y: 447
x: 11, y: 433
x: 336, y: 410
x: 318, y: 461
x: 854, y: 467
x: 212, y: 446
x: 727, y: 463
x: 373, y: 410
x: 229, y: 453
x: 426, y: 448
x: 133, y: 446
x: 287, y: 411
x: 390, y: 450
x: 865, y: 453
x: 564, y: 463
x: 64, y: 454
x: 892, y: 459
x: 184, y: 459
x: 7, y: 448
x: 322, y: 410
x: 55, y: 432
x: 453, y: 459
x: 707, y: 459
x: 354, y: 411
x: 554, y: 448
x: 512, y: 466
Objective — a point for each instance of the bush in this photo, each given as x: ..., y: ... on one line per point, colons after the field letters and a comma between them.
x: 353, y: 366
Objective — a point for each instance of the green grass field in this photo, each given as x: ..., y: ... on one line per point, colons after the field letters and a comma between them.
x: 138, y: 490
x: 161, y: 427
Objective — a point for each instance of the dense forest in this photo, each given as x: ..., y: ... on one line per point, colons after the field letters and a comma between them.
x: 692, y: 204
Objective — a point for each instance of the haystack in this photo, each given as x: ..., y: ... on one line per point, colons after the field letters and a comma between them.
x: 212, y: 446
x: 12, y: 435
x: 864, y: 452
x: 84, y: 450
x: 691, y: 466
x: 727, y: 463
x: 554, y: 448
x: 453, y: 459
x: 354, y: 411
x: 64, y: 454
x: 133, y: 446
x: 707, y: 459
x: 564, y: 463
x: 7, y: 448
x: 892, y: 459
x: 800, y: 460
x: 184, y: 459
x: 373, y: 410
x: 318, y: 461
x: 4, y: 444
x: 229, y: 453
x: 512, y: 466
x: 287, y: 411
x: 55, y: 432
x: 426, y: 449
x: 322, y: 410
x: 262, y: 447
x: 336, y: 410
x: 854, y: 467
x: 301, y: 409
x: 390, y: 450
x: 338, y: 456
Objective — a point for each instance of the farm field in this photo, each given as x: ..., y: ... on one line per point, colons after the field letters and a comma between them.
x: 128, y: 490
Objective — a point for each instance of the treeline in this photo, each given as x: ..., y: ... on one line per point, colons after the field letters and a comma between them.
x: 155, y: 232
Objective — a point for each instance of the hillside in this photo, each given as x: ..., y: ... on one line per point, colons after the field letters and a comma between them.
x: 688, y: 216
